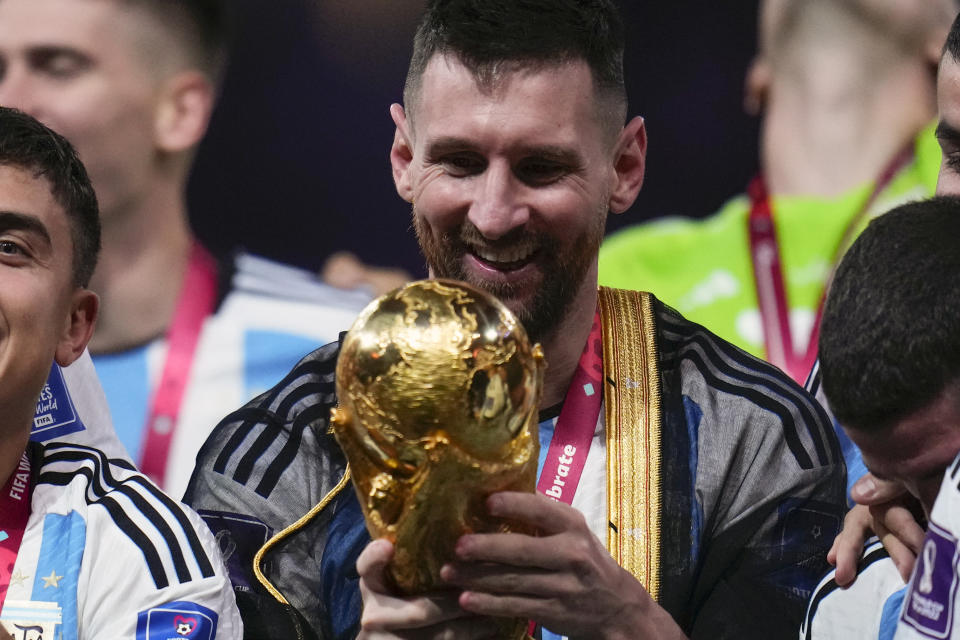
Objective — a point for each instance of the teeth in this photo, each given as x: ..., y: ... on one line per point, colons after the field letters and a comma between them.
x: 505, y: 255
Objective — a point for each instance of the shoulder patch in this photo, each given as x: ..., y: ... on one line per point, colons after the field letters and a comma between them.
x: 930, y: 601
x: 55, y: 415
x: 238, y: 537
x: 176, y: 621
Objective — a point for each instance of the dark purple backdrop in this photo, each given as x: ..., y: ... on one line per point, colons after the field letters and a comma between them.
x: 295, y: 164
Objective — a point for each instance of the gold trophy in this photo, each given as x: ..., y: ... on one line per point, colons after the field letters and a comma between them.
x: 438, y: 388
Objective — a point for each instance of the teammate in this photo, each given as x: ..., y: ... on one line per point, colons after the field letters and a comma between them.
x: 512, y: 148
x: 893, y: 519
x: 182, y: 338
x: 890, y: 362
x: 89, y: 548
x: 846, y: 90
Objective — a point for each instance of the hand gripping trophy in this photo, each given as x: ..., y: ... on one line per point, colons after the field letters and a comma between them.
x: 439, y: 389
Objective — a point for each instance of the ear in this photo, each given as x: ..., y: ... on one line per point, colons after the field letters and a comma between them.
x: 630, y: 162
x: 401, y: 153
x: 757, y: 86
x: 79, y: 326
x: 184, y: 111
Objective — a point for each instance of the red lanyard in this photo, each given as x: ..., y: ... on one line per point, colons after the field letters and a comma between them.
x: 768, y: 273
x: 574, y: 430
x: 14, y: 514
x: 577, y: 422
x: 198, y: 296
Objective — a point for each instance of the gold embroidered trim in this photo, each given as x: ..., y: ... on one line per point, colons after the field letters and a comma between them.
x: 633, y: 424
x: 293, y: 528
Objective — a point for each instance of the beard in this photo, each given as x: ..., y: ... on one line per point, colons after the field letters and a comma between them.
x: 563, y: 267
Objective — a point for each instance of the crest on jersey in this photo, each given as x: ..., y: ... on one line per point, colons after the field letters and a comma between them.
x: 177, y: 621
x: 929, y: 604
x: 55, y: 415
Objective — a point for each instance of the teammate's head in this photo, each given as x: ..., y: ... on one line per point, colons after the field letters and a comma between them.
x: 888, y: 32
x: 27, y: 145
x: 890, y: 343
x: 48, y: 243
x: 131, y: 83
x: 494, y: 37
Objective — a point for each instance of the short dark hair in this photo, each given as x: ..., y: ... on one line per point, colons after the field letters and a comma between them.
x: 484, y: 34
x: 890, y: 333
x: 952, y: 46
x: 28, y: 145
x: 204, y: 24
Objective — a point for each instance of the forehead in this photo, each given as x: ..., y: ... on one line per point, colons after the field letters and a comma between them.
x: 22, y: 191
x: 86, y: 25
x: 916, y: 446
x: 555, y: 101
x: 948, y: 88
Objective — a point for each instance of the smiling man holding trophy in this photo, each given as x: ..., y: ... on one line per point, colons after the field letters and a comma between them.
x: 685, y: 488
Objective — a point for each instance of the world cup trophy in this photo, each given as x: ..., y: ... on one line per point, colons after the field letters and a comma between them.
x: 438, y: 390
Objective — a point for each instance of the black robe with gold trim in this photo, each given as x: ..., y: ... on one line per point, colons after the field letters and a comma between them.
x: 725, y: 486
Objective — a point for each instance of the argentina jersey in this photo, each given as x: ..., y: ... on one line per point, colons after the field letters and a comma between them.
x: 106, y: 554
x: 932, y: 601
x: 72, y: 408
x: 866, y: 610
x: 273, y: 316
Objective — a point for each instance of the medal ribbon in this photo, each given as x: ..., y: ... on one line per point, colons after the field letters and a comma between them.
x: 570, y: 444
x: 14, y: 514
x: 768, y: 272
x: 573, y: 432
x: 198, y: 296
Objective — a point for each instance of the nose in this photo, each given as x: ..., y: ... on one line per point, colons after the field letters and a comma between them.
x: 497, y: 206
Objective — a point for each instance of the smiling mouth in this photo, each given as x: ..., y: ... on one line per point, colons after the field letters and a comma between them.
x: 505, y: 259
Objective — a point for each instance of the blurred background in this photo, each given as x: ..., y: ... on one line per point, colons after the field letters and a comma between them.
x: 295, y: 165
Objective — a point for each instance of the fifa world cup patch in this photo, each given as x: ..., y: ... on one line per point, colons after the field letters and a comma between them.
x: 929, y: 604
x: 55, y: 415
x: 176, y: 621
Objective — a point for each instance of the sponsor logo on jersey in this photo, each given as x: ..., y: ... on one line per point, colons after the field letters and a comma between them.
x: 55, y: 415
x: 929, y: 604
x: 176, y: 621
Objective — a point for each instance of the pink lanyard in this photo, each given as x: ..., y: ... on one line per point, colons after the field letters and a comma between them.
x: 577, y: 422
x: 768, y: 273
x: 574, y: 430
x: 198, y: 296
x: 14, y: 514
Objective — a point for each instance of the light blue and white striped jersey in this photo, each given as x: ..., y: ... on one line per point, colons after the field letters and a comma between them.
x: 273, y: 315
x: 866, y: 610
x: 107, y: 555
x: 932, y: 602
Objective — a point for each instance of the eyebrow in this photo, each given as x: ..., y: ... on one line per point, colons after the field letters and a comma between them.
x: 13, y: 221
x: 947, y: 132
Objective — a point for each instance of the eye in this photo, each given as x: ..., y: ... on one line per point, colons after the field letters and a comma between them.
x: 540, y: 172
x: 11, y: 251
x: 952, y: 160
x: 10, y: 248
x: 462, y: 165
x: 59, y: 63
